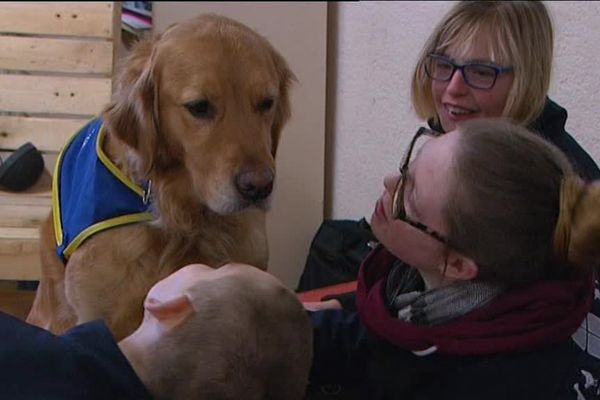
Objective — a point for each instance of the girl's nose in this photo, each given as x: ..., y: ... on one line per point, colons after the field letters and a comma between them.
x: 457, y: 85
x: 391, y: 181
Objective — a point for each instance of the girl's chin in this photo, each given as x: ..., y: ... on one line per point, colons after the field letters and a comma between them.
x: 374, y: 221
x: 376, y: 228
x: 451, y: 123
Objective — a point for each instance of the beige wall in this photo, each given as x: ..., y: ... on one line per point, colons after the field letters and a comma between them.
x: 299, y: 32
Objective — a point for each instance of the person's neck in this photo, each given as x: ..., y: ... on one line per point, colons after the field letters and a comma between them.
x: 434, y: 280
x: 136, y: 345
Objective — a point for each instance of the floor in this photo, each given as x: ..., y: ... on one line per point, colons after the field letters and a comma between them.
x: 15, y: 302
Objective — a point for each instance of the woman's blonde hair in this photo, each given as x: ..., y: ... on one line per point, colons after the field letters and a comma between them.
x: 520, y: 35
x: 517, y: 207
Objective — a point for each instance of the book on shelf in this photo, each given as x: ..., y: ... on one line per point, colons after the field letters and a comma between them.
x: 139, y: 7
x: 136, y: 21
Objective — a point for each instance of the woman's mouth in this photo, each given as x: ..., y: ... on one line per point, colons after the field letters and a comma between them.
x: 456, y: 112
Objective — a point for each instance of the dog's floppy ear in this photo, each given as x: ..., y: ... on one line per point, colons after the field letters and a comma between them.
x: 133, y: 114
x: 283, y: 112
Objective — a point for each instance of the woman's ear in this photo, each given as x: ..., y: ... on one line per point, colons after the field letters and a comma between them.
x: 460, y: 267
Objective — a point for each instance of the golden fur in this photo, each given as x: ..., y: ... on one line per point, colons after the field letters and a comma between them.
x: 198, y: 111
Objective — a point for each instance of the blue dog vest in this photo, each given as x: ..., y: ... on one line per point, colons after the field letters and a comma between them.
x: 90, y: 194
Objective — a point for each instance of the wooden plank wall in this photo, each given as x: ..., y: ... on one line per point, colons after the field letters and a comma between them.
x: 56, y: 66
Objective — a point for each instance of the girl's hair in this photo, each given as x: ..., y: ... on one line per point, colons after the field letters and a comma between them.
x: 517, y: 208
x: 519, y: 35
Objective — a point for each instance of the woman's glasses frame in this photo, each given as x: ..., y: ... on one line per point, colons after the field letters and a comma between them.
x: 466, y: 69
x: 398, y: 208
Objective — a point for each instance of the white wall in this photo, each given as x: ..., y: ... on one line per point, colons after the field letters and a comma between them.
x: 373, y: 48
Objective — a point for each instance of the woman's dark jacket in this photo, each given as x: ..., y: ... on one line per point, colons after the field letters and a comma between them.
x: 518, y: 346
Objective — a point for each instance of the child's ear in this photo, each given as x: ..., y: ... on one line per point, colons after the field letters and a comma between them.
x: 460, y: 267
x: 172, y: 312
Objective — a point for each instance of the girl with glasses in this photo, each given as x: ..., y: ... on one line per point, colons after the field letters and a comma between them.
x: 491, y: 59
x: 494, y: 59
x: 484, y: 270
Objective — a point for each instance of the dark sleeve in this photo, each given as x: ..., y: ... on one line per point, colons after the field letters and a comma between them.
x: 39, y: 365
x: 583, y: 163
x: 339, y: 347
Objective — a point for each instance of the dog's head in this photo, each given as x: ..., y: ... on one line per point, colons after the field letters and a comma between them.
x: 202, y: 107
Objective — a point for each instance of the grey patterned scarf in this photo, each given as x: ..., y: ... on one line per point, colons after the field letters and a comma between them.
x: 407, y: 296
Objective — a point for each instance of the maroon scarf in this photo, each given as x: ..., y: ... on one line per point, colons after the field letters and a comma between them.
x: 520, y: 319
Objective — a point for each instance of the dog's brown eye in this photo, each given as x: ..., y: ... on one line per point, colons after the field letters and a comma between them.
x: 201, y: 109
x: 266, y: 104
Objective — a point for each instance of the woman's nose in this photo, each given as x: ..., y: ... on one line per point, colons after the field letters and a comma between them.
x: 457, y: 85
x: 390, y: 182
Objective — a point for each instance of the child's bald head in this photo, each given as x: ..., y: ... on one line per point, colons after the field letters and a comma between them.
x: 234, y: 332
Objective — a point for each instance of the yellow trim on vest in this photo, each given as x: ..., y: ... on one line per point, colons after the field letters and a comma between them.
x: 58, y: 232
x: 100, y: 226
x: 113, y: 168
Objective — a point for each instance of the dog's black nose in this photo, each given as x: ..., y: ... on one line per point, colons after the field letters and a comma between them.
x: 255, y: 184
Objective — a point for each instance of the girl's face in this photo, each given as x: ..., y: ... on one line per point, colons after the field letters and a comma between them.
x: 427, y: 183
x: 455, y: 101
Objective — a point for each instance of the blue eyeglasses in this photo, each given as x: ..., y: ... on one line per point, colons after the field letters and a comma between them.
x: 476, y: 75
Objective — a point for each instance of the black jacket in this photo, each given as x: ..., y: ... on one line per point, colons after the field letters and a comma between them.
x: 351, y: 364
x: 551, y: 125
x: 84, y: 363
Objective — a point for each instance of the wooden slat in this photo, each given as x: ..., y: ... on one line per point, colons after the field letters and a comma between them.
x: 117, y: 37
x: 18, y: 240
x: 22, y: 267
x: 56, y: 55
x: 19, y: 254
x: 92, y: 19
x: 26, y: 200
x: 47, y: 134
x: 54, y: 94
x: 23, y: 216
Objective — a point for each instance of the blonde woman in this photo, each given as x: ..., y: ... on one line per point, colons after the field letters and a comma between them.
x: 494, y: 59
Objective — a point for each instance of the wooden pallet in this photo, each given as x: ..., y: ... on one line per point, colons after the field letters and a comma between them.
x: 57, y: 61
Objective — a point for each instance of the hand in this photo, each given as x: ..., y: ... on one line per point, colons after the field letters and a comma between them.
x: 332, y: 304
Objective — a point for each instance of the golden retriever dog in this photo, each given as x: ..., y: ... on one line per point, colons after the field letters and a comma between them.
x: 197, y: 115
